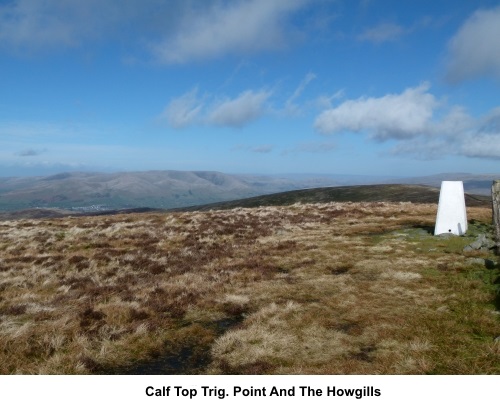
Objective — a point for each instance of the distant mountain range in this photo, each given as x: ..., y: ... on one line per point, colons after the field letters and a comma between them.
x: 94, y: 192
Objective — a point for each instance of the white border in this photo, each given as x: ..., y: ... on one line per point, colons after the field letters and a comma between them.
x: 124, y: 390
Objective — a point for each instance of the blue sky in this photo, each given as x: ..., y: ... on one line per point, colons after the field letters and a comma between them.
x: 376, y: 87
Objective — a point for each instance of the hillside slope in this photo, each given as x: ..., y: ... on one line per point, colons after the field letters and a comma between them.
x: 369, y: 193
x: 159, y: 189
x: 332, y: 288
x: 84, y: 192
x: 120, y: 190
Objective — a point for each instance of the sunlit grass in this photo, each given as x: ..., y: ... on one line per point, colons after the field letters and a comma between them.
x: 335, y: 288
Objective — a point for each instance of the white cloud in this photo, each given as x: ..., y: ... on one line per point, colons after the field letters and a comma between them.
x: 491, y: 122
x: 31, y: 152
x: 423, y: 148
x: 396, y: 116
x: 315, y: 147
x: 229, y: 27
x: 382, y: 33
x: 25, y: 22
x: 189, y: 109
x: 35, y: 24
x: 485, y: 142
x: 455, y: 121
x: 290, y: 105
x: 174, y: 31
x: 457, y: 133
x: 239, y: 111
x: 474, y: 50
x: 325, y: 101
x: 266, y: 148
x: 419, y: 125
x: 310, y: 147
x: 184, y: 110
x: 262, y: 149
x: 482, y: 146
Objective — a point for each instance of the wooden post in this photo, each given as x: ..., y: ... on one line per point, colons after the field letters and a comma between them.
x: 495, y: 197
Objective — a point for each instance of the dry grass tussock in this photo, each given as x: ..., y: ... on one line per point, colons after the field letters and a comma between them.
x: 309, y: 288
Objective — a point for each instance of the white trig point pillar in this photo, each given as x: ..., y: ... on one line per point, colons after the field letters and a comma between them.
x: 451, y: 215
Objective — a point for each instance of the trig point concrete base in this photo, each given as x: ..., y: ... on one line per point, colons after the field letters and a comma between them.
x: 451, y: 215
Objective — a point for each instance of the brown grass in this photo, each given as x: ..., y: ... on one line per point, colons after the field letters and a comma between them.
x: 335, y: 288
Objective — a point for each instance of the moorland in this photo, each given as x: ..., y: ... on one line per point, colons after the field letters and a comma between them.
x: 309, y: 287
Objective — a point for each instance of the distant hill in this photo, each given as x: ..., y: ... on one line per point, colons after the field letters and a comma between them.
x: 367, y: 193
x: 84, y: 192
x: 102, y: 192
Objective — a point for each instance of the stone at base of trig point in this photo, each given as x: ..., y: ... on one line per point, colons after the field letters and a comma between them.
x: 451, y: 216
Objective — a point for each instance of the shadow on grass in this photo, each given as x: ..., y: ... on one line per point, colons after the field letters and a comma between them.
x: 496, y: 285
x: 428, y: 229
x: 496, y: 301
x: 186, y: 361
x: 191, y: 358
